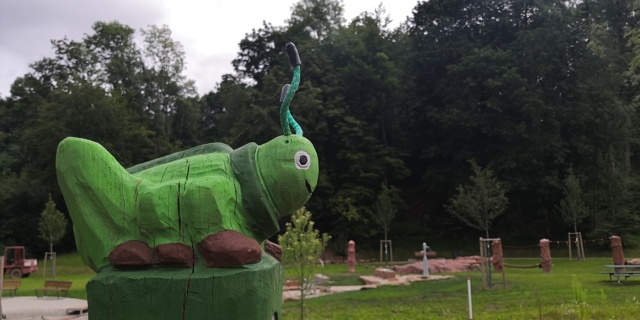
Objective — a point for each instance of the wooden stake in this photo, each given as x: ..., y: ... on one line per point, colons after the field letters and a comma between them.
x: 1, y: 281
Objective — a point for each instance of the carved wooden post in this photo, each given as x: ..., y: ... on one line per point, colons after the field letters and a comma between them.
x: 616, y: 250
x: 496, y: 257
x: 179, y: 237
x: 545, y: 255
x: 351, y: 256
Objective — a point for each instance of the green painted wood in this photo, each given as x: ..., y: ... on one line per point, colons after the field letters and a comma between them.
x: 253, y: 291
x: 184, y: 197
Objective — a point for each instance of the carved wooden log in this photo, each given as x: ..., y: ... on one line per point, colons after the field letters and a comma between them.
x: 545, y: 255
x: 253, y: 291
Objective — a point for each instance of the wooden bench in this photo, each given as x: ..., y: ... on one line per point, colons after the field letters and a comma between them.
x: 54, y: 286
x: 10, y: 286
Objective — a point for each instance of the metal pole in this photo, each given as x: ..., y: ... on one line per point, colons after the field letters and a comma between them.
x: 425, y: 260
x: 469, y: 294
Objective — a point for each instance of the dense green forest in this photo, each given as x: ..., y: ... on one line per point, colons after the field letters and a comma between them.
x: 541, y: 92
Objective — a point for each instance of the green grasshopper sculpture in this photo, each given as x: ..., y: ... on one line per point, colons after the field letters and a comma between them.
x: 211, y: 199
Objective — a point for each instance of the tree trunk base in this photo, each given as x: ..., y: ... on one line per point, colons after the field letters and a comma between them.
x: 253, y: 291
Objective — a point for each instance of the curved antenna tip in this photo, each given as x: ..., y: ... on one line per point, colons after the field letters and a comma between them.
x: 294, y: 56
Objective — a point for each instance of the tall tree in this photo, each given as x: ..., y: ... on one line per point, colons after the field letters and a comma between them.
x: 302, y: 246
x: 319, y: 17
x: 480, y: 203
x: 572, y: 206
x: 52, y: 225
x: 384, y: 210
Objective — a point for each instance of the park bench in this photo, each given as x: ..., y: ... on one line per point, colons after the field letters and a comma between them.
x: 10, y: 286
x: 59, y: 287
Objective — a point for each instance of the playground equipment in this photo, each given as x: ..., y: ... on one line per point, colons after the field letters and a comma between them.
x: 576, y: 237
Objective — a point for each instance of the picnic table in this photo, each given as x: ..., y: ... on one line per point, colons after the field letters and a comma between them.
x: 622, y: 270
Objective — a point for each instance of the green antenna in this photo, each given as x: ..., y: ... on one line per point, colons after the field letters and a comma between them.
x: 287, y: 92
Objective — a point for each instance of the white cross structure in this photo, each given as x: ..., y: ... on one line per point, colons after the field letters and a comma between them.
x: 425, y: 260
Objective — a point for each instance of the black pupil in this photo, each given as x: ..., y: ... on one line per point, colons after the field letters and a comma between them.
x: 303, y: 160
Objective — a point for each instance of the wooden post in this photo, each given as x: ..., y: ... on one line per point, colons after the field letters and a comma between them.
x: 545, y: 255
x: 53, y: 264
x: 582, y: 246
x: 351, y: 257
x: 1, y: 282
x: 616, y: 250
x: 497, y: 259
x: 569, y: 243
x: 576, y: 237
x: 386, y: 249
x: 483, y: 256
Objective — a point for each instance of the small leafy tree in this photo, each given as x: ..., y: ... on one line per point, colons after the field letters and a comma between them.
x: 572, y: 206
x: 384, y: 210
x: 52, y: 224
x: 480, y: 203
x: 302, y: 246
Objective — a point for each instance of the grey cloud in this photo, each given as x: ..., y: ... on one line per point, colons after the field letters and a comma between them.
x: 27, y: 26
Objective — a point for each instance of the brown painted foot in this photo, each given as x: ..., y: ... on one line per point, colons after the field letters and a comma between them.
x: 131, y: 253
x: 229, y: 248
x: 275, y: 250
x: 175, y: 254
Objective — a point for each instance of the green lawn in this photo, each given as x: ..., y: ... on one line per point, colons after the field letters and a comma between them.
x: 69, y: 268
x: 574, y: 290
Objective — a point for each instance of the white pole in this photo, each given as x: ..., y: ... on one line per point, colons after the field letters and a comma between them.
x: 469, y: 293
x: 425, y: 260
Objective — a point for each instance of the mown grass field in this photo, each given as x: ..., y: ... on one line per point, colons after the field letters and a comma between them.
x: 574, y: 290
x: 69, y: 268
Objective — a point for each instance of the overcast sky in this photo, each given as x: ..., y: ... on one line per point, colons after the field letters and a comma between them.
x: 209, y: 30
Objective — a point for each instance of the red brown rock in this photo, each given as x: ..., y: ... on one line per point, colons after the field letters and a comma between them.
x: 386, y: 274
x: 229, y: 248
x: 274, y: 249
x: 430, y: 254
x: 131, y: 253
x: 460, y: 264
x: 175, y: 254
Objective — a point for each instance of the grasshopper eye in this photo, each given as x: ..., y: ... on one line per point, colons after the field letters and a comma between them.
x: 302, y: 160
